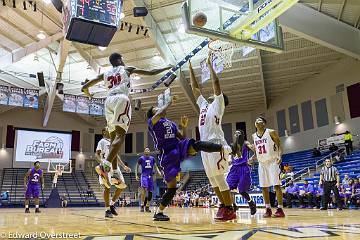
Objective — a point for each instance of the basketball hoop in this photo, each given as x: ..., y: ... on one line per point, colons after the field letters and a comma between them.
x: 224, y: 51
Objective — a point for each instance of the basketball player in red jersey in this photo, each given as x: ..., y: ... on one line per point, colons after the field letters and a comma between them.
x: 117, y: 105
x: 268, y: 153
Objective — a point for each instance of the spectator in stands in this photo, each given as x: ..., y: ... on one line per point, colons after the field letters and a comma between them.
x: 333, y: 148
x: 346, y: 190
x: 345, y: 179
x: 348, y: 142
x: 5, y: 196
x: 306, y: 193
x: 286, y: 167
x: 318, y: 192
x: 89, y: 192
x: 291, y: 193
x: 316, y: 152
x: 64, y: 201
x: 355, y: 198
x: 330, y: 177
x: 186, y: 199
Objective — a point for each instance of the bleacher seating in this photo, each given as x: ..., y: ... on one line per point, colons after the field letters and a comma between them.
x: 197, y: 180
x: 73, y: 185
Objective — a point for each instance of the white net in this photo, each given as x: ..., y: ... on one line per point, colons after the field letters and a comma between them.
x: 224, y: 51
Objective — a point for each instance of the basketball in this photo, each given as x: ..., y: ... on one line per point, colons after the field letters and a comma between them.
x: 200, y: 19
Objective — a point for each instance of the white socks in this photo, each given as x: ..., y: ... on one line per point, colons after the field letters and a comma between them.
x: 26, y: 206
x: 280, y: 206
x: 267, y: 205
x: 36, y: 206
x: 111, y: 203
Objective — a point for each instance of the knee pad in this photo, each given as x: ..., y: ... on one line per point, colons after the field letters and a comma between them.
x: 149, y: 196
x: 168, y: 196
x: 221, y: 183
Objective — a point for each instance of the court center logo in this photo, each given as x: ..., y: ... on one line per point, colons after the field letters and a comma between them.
x: 51, y: 148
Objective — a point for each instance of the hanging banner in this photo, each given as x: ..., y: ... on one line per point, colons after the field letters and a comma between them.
x: 31, y: 99
x: 4, y: 95
x: 69, y: 103
x: 16, y: 97
x: 97, y: 107
x: 82, y: 105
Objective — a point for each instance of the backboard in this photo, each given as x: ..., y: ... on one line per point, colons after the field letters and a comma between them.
x: 246, y: 22
x: 63, y: 167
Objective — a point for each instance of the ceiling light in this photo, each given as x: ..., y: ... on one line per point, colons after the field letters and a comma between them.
x: 157, y: 58
x: 88, y: 67
x: 181, y: 28
x: 122, y: 15
x: 36, y: 58
x: 102, y: 48
x: 47, y: 1
x: 41, y: 35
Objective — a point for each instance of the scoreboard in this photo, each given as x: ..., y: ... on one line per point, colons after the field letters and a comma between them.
x: 92, y: 21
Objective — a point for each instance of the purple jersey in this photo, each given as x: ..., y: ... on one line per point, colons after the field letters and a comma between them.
x: 356, y: 188
x: 236, y: 161
x: 147, y: 165
x: 34, y: 177
x: 164, y: 134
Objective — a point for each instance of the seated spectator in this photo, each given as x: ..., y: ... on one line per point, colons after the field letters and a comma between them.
x: 316, y: 152
x: 291, y: 193
x: 64, y: 201
x: 286, y: 167
x: 355, y: 198
x: 318, y: 192
x: 306, y: 193
x: 346, y: 179
x: 89, y: 192
x: 346, y: 191
x: 333, y: 148
x: 289, y: 173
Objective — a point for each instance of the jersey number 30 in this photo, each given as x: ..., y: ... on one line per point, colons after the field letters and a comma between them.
x: 114, y: 80
x: 262, y: 149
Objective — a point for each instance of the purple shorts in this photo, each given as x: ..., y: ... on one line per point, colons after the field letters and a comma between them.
x: 239, y: 177
x: 32, y: 190
x: 171, y: 158
x: 147, y: 182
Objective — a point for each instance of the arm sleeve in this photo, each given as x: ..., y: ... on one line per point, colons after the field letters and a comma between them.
x: 200, y: 101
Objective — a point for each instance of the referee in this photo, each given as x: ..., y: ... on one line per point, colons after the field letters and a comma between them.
x: 330, y: 177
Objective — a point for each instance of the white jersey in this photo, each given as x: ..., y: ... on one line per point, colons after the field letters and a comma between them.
x: 117, y: 81
x: 103, y: 146
x: 266, y: 149
x: 210, y: 118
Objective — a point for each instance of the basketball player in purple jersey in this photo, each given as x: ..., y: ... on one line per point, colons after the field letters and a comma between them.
x: 148, y: 165
x: 174, y: 147
x: 32, y: 180
x: 117, y: 105
x: 268, y: 153
x: 240, y: 172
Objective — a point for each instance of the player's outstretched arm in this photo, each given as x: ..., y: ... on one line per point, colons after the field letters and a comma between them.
x: 152, y: 72
x: 214, y: 77
x: 27, y: 174
x: 194, y: 83
x: 275, y: 137
x: 136, y: 171
x: 161, y: 110
x: 98, y: 156
x: 89, y: 83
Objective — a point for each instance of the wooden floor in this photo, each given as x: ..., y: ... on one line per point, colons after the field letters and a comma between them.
x: 185, y: 224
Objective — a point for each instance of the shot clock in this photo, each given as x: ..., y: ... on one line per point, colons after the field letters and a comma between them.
x: 92, y: 21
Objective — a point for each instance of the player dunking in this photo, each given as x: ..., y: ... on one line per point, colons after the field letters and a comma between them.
x: 102, y: 150
x: 174, y: 147
x: 148, y: 165
x: 32, y: 181
x: 117, y: 105
x: 240, y: 172
x: 210, y: 130
x: 268, y: 153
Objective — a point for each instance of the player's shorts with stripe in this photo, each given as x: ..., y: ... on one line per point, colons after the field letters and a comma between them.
x: 269, y: 173
x: 212, y: 162
x: 118, y: 111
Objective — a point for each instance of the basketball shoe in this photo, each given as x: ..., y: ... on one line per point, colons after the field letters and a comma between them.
x: 268, y: 213
x: 279, y: 213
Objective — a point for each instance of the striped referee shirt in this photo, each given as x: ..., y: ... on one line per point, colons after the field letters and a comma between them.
x: 329, y: 173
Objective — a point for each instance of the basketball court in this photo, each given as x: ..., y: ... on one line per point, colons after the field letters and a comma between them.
x: 185, y: 224
x: 294, y: 63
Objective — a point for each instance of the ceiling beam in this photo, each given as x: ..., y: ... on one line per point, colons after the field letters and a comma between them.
x: 166, y: 53
x: 341, y: 10
x: 19, y: 53
x: 92, y: 62
x: 58, y: 68
x: 314, y: 26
